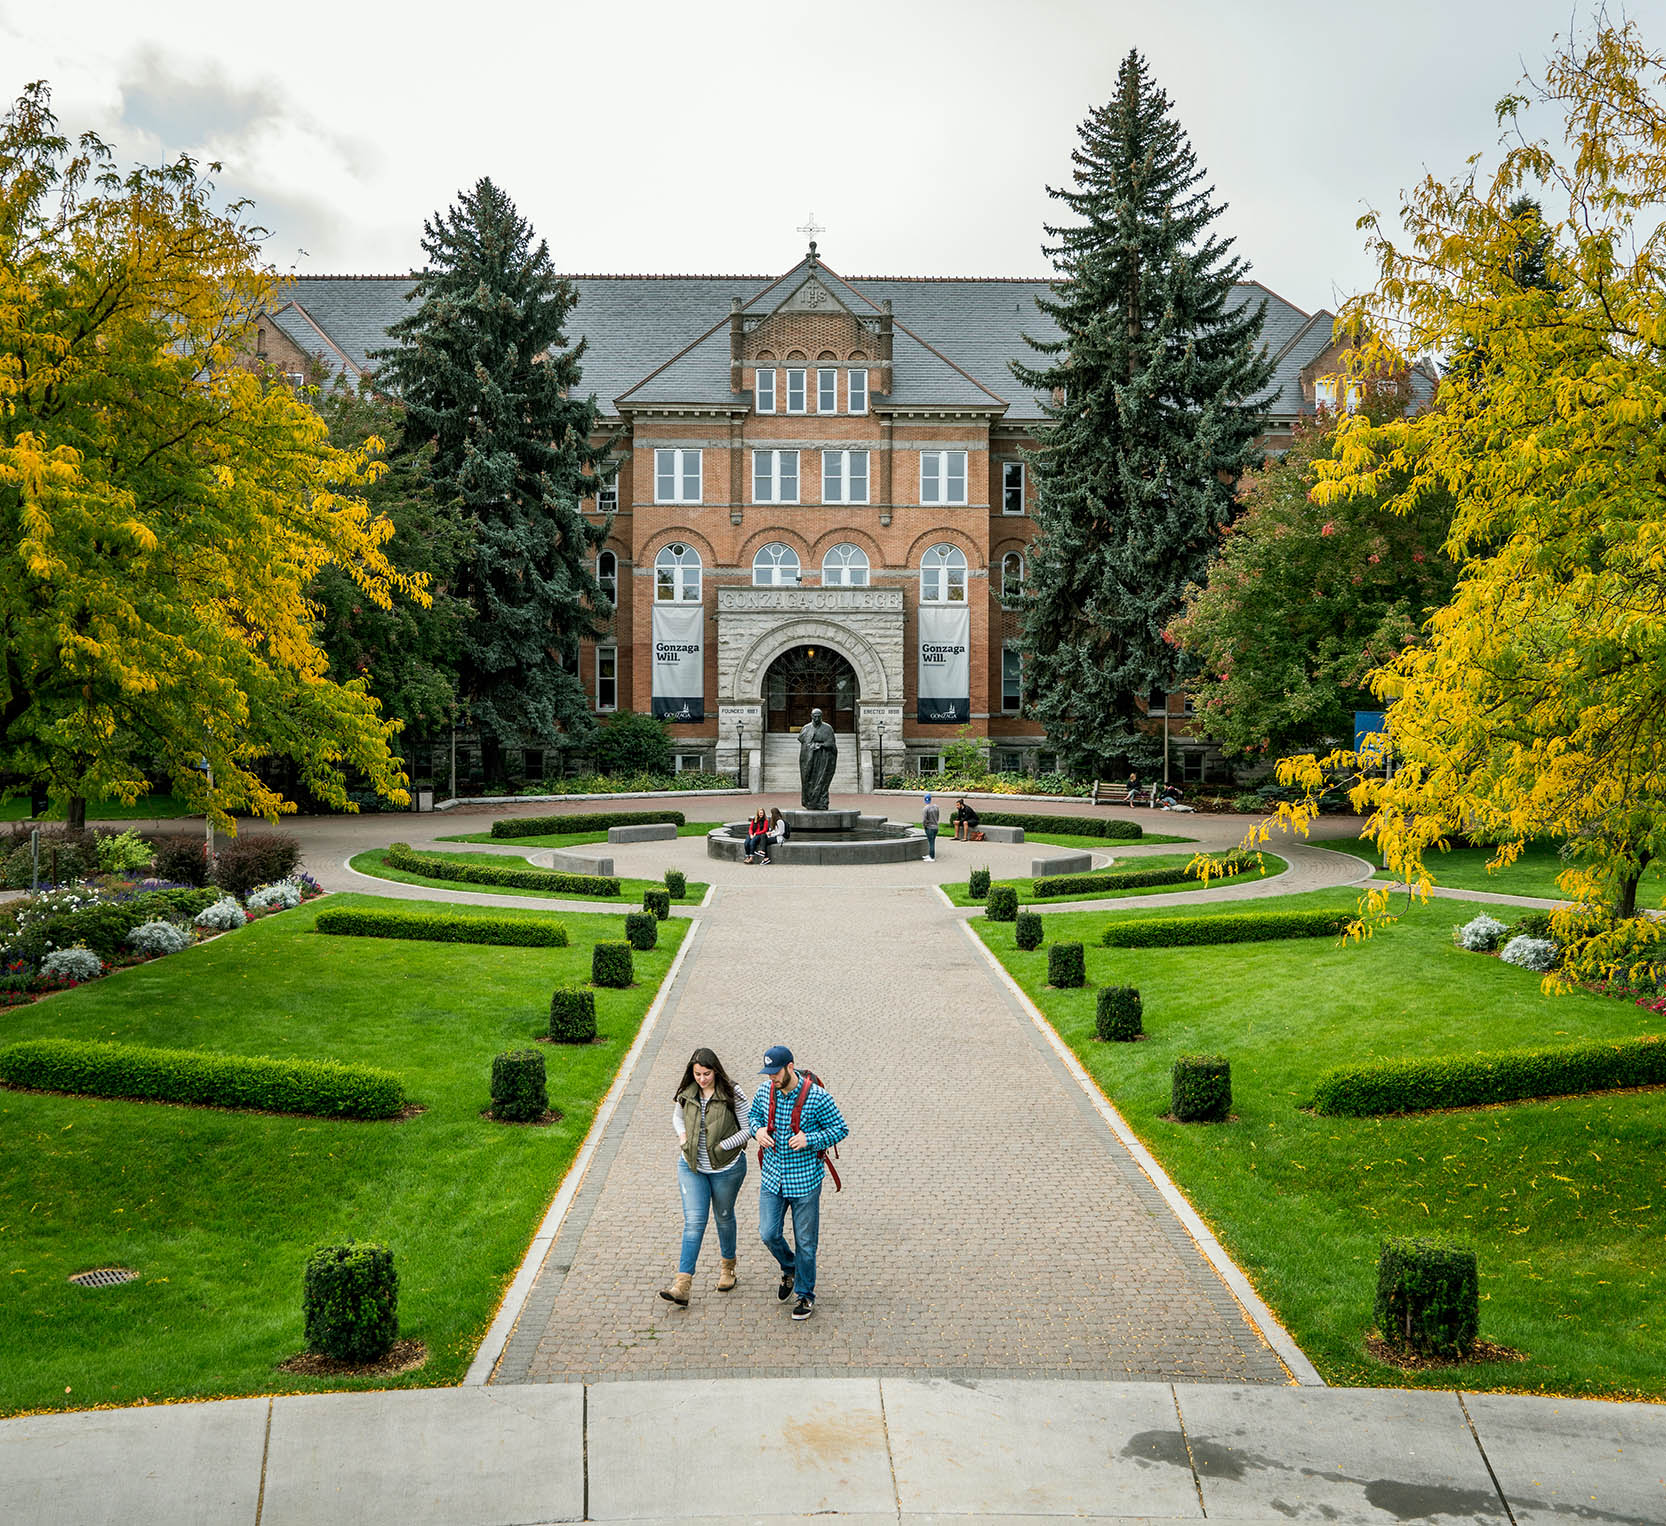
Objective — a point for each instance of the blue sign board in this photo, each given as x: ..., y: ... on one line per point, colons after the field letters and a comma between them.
x: 1368, y: 723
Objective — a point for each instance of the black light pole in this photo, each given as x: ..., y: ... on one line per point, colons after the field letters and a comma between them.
x: 881, y: 781
x: 740, y: 756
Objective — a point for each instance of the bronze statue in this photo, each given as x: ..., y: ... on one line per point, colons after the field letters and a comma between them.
x: 818, y: 755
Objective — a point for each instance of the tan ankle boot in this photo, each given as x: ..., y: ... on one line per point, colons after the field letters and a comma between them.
x: 726, y: 1277
x: 677, y: 1293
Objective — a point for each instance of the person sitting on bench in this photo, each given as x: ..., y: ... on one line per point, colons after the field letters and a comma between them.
x: 965, y: 821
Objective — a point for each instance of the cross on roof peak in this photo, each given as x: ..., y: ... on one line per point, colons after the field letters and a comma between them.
x: 811, y: 227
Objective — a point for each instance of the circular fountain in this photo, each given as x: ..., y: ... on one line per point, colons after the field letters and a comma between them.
x: 826, y: 837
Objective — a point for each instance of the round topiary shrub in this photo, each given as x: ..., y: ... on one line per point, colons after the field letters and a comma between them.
x: 1028, y: 930
x: 611, y: 966
x: 1201, y: 1089
x: 350, y: 1295
x: 1119, y: 1015
x: 1067, y: 967
x: 641, y: 929
x: 658, y: 902
x: 1002, y: 903
x: 1428, y: 1297
x: 519, y: 1092
x: 977, y: 884
x: 676, y: 884
x: 572, y: 1015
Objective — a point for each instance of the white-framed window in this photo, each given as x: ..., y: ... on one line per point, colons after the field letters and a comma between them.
x: 689, y: 762
x: 1355, y: 395
x: 775, y: 566
x: 943, y: 575
x: 856, y: 398
x: 1012, y: 680
x: 827, y: 390
x: 845, y: 566
x: 607, y: 576
x: 929, y: 763
x: 1012, y: 577
x: 942, y: 476
x: 607, y: 678
x: 677, y: 574
x: 1009, y: 762
x: 795, y: 389
x: 844, y: 476
x: 1012, y: 487
x: 775, y: 476
x: 763, y: 390
x: 1324, y: 393
x: 676, y: 476
x: 607, y: 496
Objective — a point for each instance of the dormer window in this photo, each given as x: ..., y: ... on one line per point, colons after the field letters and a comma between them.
x: 763, y: 390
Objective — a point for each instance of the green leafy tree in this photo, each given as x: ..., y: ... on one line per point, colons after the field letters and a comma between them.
x: 631, y: 743
x: 1303, y: 603
x: 490, y: 387
x: 1152, y: 396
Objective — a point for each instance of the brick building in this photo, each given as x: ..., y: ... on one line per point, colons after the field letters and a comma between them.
x: 820, y: 501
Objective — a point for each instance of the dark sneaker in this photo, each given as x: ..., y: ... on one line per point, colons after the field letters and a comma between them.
x: 785, y: 1291
x: 804, y: 1308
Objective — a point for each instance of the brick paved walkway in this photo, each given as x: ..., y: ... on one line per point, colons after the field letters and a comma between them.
x: 990, y: 1224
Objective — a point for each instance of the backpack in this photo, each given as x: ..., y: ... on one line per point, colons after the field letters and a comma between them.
x: 807, y: 1079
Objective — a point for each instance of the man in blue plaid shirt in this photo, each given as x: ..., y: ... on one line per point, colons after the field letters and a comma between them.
x: 792, y: 1171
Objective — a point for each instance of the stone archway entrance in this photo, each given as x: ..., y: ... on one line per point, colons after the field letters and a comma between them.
x: 806, y: 678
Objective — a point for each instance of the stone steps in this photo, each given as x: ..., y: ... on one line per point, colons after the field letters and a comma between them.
x: 781, y: 763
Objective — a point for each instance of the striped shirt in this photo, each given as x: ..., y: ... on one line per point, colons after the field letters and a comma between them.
x: 702, y: 1156
x: 790, y: 1172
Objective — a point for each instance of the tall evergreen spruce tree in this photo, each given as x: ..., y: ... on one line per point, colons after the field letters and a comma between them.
x: 486, y: 377
x: 1153, y: 398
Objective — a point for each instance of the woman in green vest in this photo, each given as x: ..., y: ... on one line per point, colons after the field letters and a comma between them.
x: 708, y: 1116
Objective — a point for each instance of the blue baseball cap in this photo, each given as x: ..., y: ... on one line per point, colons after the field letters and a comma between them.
x: 776, y: 1059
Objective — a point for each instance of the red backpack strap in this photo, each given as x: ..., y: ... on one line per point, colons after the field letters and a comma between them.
x: 812, y: 1079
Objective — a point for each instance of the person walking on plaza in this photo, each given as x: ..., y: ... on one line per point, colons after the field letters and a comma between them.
x: 708, y: 1118
x: 795, y: 1121
x: 929, y: 820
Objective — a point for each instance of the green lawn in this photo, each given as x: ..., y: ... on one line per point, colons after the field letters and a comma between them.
x: 218, y: 1210
x: 147, y: 808
x: 1272, y: 865
x: 572, y: 839
x: 375, y: 862
x: 1533, y: 874
x: 1564, y: 1200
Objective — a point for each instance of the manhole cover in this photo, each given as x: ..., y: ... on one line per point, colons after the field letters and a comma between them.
x: 104, y: 1277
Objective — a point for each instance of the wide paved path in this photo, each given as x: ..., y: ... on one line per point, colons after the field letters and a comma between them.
x: 991, y: 1224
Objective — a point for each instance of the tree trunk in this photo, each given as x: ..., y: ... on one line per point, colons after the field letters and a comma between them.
x: 75, y: 813
x: 1627, y: 904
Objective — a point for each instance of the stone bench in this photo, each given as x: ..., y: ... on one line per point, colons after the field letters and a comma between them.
x: 575, y: 863
x: 1002, y: 834
x: 651, y: 831
x: 1061, y: 863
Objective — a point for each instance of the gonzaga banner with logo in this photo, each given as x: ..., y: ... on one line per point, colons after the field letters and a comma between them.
x: 679, y: 662
x: 945, y: 688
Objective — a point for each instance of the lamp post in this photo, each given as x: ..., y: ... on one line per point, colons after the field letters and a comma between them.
x: 740, y: 756
x: 880, y: 727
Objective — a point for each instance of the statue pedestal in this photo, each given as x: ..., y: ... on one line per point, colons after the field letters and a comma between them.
x: 822, y: 821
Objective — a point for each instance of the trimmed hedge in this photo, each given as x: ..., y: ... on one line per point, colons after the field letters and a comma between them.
x: 318, y: 1088
x: 572, y: 1015
x: 1069, y: 826
x: 1241, y: 927
x: 1428, y: 1297
x: 1119, y: 1016
x: 1127, y: 879
x: 1416, y: 1086
x: 977, y: 884
x: 350, y: 1295
x: 1067, y: 968
x: 519, y: 1092
x: 1027, y: 931
x: 593, y: 821
x: 1201, y: 1089
x: 641, y: 930
x: 611, y: 966
x: 1001, y: 904
x: 400, y: 856
x: 439, y: 927
x: 676, y: 884
x: 658, y: 902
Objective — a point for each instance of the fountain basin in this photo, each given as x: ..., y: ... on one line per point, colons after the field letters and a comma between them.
x: 826, y: 837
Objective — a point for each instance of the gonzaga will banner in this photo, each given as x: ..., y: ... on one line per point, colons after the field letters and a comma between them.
x: 680, y: 662
x: 945, y: 687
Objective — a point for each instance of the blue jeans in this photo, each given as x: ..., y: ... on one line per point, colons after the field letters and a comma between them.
x: 757, y: 843
x: 708, y: 1194
x: 931, y: 842
x: 799, y: 1258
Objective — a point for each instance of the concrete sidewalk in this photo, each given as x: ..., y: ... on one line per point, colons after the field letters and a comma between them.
x: 866, y: 1450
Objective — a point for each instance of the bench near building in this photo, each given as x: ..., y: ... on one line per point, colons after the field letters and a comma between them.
x: 821, y: 501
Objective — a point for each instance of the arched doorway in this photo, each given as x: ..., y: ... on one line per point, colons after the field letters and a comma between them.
x: 806, y: 678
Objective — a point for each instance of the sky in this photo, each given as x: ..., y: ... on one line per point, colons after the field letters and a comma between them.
x: 647, y: 136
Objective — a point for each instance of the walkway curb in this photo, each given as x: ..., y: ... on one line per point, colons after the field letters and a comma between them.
x: 1256, y: 1311
x: 514, y: 1300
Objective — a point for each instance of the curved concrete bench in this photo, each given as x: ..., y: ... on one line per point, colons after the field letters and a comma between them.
x: 577, y: 863
x: 1002, y: 834
x: 648, y: 831
x: 1061, y: 863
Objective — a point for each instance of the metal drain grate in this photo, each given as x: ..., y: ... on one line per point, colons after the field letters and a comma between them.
x: 104, y: 1277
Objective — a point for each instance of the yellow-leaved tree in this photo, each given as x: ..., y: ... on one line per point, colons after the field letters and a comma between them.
x: 164, y: 506
x: 1536, y: 705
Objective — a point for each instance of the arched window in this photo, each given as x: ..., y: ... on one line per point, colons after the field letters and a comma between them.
x: 1012, y: 577
x: 607, y: 576
x: 845, y: 566
x: 943, y: 576
x: 775, y: 566
x: 677, y: 574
